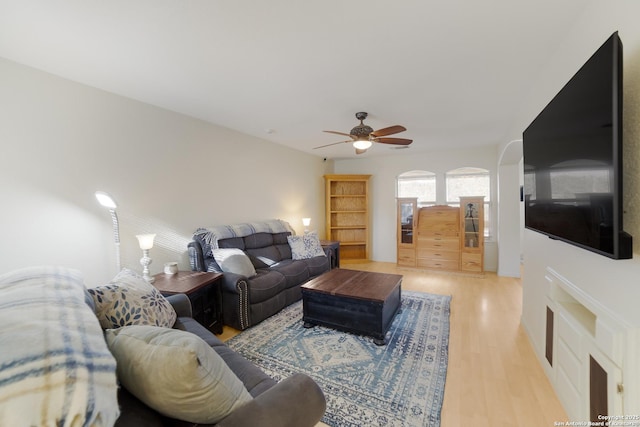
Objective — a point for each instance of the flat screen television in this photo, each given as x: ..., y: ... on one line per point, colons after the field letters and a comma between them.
x: 573, y: 159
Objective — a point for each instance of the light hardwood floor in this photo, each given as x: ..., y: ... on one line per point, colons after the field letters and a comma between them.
x: 493, y: 377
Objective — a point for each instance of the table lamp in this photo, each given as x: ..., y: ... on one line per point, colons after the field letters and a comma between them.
x: 306, y: 222
x: 146, y: 243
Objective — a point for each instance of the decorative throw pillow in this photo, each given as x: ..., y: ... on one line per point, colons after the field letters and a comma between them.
x: 56, y: 368
x: 129, y: 300
x: 176, y: 373
x: 306, y: 246
x: 233, y: 260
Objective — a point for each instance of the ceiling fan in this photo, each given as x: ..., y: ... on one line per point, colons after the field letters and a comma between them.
x: 363, y: 136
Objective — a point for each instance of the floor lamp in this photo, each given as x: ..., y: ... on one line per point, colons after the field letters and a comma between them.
x: 107, y: 201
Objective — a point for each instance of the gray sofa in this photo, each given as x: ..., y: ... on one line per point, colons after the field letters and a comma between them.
x: 297, y: 401
x: 247, y: 301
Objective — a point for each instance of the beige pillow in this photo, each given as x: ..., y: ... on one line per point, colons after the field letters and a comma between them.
x: 129, y: 300
x: 235, y: 261
x: 176, y: 373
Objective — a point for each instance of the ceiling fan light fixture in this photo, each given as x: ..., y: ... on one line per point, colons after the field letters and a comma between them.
x: 362, y: 144
x: 363, y: 136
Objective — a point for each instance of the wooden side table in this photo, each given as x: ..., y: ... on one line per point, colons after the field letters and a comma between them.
x: 203, y: 290
x: 333, y: 248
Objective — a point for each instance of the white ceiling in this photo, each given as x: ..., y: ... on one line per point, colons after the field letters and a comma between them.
x: 451, y: 71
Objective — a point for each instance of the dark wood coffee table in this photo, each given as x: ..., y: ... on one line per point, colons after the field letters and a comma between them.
x: 362, y: 302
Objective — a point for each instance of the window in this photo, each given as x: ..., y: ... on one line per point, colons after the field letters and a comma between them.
x: 420, y: 184
x: 466, y: 182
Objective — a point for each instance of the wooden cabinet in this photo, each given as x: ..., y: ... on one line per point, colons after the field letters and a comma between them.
x: 472, y: 234
x: 332, y: 250
x: 406, y: 232
x: 204, y: 291
x: 438, y: 244
x: 347, y: 214
x: 441, y: 237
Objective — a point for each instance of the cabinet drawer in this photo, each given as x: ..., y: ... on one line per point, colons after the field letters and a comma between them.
x: 569, y: 363
x: 439, y: 221
x: 439, y: 242
x: 569, y: 396
x: 437, y: 254
x: 569, y: 334
x: 439, y: 214
x: 471, y: 262
x: 406, y: 257
x: 438, y: 264
x: 444, y: 227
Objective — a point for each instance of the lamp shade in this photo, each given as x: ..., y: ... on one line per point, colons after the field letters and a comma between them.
x: 362, y: 144
x: 106, y: 200
x: 306, y: 221
x: 145, y: 240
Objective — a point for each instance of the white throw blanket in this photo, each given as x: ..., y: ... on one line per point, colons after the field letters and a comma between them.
x: 55, y: 367
x: 211, y: 235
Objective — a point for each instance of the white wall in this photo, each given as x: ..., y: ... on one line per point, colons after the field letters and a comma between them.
x: 509, y: 223
x: 591, y: 31
x: 62, y: 141
x: 386, y: 169
x: 614, y: 284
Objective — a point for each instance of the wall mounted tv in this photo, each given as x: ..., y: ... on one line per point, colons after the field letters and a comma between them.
x: 573, y: 159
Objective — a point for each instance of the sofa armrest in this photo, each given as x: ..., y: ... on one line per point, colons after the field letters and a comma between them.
x: 181, y: 304
x: 235, y: 301
x: 296, y: 401
x: 230, y: 282
x: 196, y: 256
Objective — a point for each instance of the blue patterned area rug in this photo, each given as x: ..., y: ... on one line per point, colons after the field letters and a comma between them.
x: 399, y: 384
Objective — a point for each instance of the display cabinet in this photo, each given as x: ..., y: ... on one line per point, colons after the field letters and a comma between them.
x: 472, y: 234
x: 407, y: 219
x: 347, y: 214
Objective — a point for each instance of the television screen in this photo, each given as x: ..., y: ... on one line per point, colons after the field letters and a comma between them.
x: 573, y: 159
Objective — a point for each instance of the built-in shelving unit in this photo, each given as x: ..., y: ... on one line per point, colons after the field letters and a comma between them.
x: 586, y: 352
x: 347, y: 214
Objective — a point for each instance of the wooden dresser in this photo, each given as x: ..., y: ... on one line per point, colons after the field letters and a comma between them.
x: 441, y: 237
x: 438, y: 243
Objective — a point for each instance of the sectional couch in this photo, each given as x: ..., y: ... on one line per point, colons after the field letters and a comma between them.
x: 272, y: 404
x: 107, y: 355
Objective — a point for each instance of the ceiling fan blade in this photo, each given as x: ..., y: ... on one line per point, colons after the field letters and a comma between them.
x: 395, y: 141
x: 339, y: 133
x: 388, y: 131
x: 333, y: 143
x: 360, y: 151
